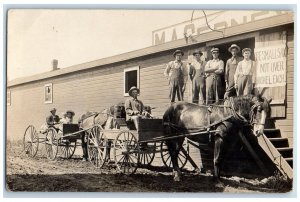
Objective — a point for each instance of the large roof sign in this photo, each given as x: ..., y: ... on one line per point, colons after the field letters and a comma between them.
x: 219, y: 21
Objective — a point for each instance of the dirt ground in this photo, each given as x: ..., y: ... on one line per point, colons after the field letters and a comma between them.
x: 74, y: 175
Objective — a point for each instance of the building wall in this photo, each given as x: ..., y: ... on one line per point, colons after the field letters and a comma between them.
x: 98, y: 88
x: 286, y: 124
x: 92, y: 90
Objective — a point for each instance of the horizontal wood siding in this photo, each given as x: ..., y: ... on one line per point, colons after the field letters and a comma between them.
x: 286, y: 125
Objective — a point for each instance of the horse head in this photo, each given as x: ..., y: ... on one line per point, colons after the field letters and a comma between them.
x: 252, y: 110
x: 260, y: 108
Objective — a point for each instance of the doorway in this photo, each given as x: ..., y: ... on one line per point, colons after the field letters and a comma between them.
x: 225, y: 54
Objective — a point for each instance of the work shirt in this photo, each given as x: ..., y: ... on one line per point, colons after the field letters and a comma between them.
x: 52, y: 119
x: 132, y: 105
x: 245, y: 68
x: 230, y: 69
x: 177, y: 71
x: 197, y: 68
x: 216, y: 64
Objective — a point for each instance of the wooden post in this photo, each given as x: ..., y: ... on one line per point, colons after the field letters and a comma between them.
x: 253, y: 153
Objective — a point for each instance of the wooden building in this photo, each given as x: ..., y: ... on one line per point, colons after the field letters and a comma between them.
x: 99, y: 84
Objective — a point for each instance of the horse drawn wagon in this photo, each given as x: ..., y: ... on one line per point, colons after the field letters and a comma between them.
x: 129, y: 148
x: 125, y: 146
x: 58, y: 140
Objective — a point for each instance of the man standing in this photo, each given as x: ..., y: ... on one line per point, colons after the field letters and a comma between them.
x: 244, y: 77
x: 230, y: 68
x: 198, y: 78
x: 176, y: 72
x: 214, y: 69
x: 134, y: 108
x: 53, y: 118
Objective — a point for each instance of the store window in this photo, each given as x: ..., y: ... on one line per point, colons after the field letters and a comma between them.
x: 131, y: 78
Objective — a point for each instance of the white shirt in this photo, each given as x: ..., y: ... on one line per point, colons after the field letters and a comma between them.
x: 244, y: 67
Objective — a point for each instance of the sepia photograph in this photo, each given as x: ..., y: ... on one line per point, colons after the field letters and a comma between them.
x: 151, y: 101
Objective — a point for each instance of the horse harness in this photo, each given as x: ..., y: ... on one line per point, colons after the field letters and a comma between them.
x: 236, y: 117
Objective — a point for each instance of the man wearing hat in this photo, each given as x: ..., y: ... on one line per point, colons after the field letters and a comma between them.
x: 177, y: 74
x: 198, y: 78
x: 214, y: 69
x: 230, y: 68
x: 53, y: 118
x: 244, y: 77
x: 134, y: 107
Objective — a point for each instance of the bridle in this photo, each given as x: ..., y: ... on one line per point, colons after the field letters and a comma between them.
x: 241, y: 118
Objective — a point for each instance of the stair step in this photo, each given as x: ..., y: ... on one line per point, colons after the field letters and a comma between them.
x: 289, y: 159
x: 284, y: 149
x: 278, y: 139
x: 272, y: 132
x: 279, y: 142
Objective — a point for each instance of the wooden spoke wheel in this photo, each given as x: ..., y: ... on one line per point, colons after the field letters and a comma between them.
x: 51, y: 143
x: 67, y: 148
x: 166, y: 158
x: 96, y: 145
x: 30, y: 141
x: 147, y: 153
x: 126, y: 152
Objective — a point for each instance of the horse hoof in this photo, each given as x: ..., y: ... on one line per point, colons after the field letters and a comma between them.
x: 176, y: 179
x: 219, y: 184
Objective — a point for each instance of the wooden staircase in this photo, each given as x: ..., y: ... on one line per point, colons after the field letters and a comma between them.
x: 278, y: 150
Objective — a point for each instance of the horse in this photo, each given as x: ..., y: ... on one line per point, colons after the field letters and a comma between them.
x: 235, y: 113
x: 87, y: 121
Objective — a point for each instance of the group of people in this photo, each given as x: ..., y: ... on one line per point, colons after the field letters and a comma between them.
x: 54, y: 120
x: 239, y: 75
x: 206, y: 77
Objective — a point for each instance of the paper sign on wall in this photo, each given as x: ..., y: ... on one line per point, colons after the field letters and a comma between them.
x: 271, y: 66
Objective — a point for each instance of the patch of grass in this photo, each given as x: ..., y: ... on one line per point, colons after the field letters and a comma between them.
x: 14, y: 143
x: 279, y: 183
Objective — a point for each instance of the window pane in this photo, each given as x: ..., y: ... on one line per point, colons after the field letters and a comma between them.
x: 130, y: 79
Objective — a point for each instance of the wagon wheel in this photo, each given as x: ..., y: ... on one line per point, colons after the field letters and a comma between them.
x: 126, y: 152
x: 51, y: 143
x: 30, y: 141
x: 68, y: 148
x: 96, y: 145
x: 166, y: 158
x: 147, y: 153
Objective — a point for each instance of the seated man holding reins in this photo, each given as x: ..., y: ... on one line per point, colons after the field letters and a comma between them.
x: 135, y: 108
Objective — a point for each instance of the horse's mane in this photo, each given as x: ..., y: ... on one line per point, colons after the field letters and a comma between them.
x: 242, y: 102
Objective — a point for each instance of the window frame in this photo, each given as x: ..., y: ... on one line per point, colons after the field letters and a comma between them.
x: 51, y: 93
x: 136, y: 68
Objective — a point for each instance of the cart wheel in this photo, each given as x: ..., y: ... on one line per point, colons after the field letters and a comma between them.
x: 30, y: 141
x: 166, y: 158
x: 68, y: 148
x: 51, y: 143
x: 147, y: 153
x: 96, y: 145
x: 126, y: 152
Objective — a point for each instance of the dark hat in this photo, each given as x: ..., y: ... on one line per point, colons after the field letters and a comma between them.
x: 234, y: 46
x: 197, y: 52
x: 214, y: 50
x: 70, y: 112
x: 53, y: 109
x: 246, y: 49
x: 133, y: 88
x: 178, y: 51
